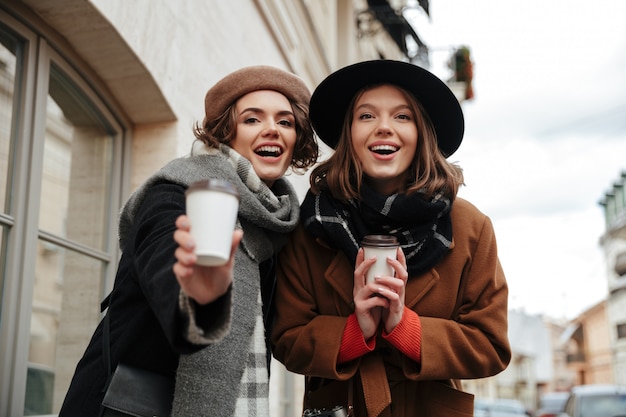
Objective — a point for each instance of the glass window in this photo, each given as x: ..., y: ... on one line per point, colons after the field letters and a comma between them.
x: 609, y: 405
x: 9, y: 47
x: 61, y: 147
x: 10, y: 57
x: 620, y: 264
x: 61, y: 324
x: 73, y: 221
x: 618, y: 189
x: 78, y: 152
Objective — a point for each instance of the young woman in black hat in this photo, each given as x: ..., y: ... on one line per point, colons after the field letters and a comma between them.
x: 164, y: 307
x: 397, y: 346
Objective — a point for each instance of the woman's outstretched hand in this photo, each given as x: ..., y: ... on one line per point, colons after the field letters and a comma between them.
x: 204, y: 284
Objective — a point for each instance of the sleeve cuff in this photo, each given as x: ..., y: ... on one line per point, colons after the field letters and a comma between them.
x: 353, y: 345
x: 407, y: 336
x: 206, y: 324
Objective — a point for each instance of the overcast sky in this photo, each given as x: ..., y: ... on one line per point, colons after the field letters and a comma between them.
x: 545, y: 135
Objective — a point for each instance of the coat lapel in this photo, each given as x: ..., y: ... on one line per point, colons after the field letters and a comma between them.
x: 418, y: 287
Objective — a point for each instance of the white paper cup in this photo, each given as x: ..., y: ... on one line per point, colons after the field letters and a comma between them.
x: 381, y: 247
x: 212, y: 210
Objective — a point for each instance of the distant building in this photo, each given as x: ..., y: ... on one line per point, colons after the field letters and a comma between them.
x: 531, y: 367
x: 588, y: 346
x: 563, y: 378
x: 614, y: 245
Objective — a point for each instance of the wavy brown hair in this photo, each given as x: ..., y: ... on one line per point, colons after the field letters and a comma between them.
x: 342, y: 173
x: 224, y: 129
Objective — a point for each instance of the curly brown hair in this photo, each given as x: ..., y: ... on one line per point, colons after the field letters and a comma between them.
x: 224, y: 129
x: 342, y: 173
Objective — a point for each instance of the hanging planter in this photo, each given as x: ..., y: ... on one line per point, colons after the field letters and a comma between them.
x: 462, y: 66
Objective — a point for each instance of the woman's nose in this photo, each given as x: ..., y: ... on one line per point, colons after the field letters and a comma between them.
x: 383, y: 128
x: 270, y: 131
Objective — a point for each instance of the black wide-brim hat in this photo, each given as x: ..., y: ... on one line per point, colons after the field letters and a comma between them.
x: 330, y: 100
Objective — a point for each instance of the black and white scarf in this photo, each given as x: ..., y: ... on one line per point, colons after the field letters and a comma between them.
x: 423, y: 226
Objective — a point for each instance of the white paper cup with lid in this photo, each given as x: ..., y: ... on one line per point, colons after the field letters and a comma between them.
x: 381, y: 247
x: 212, y: 207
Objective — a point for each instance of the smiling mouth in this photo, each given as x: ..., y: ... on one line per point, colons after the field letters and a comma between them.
x: 384, y: 149
x: 274, y: 151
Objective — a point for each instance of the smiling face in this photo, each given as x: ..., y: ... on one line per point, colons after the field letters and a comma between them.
x: 384, y: 137
x: 266, y: 133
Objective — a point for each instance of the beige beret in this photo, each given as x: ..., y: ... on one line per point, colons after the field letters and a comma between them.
x: 243, y: 81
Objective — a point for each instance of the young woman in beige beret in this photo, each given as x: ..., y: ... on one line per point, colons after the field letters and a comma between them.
x: 400, y: 344
x: 204, y: 326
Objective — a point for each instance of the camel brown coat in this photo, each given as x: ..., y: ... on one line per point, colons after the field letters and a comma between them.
x: 462, y: 305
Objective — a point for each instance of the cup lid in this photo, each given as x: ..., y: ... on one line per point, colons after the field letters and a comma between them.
x: 385, y: 241
x: 213, y: 184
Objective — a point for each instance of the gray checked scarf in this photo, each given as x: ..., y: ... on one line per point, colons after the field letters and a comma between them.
x: 423, y: 226
x: 229, y: 377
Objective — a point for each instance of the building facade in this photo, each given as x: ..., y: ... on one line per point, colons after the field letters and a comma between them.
x: 589, y: 346
x: 614, y: 245
x: 538, y: 363
x: 95, y: 95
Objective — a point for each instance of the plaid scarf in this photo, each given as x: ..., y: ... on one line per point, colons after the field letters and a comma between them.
x: 254, y: 389
x: 423, y: 227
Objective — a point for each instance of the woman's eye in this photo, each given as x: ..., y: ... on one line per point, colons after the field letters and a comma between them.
x: 250, y: 120
x: 365, y: 116
x: 404, y: 117
x: 286, y: 122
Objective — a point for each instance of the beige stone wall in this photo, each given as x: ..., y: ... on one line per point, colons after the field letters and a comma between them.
x: 599, y: 350
x: 596, y: 366
x: 617, y: 312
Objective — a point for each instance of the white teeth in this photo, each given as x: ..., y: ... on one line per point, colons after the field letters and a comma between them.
x: 390, y: 148
x: 269, y: 149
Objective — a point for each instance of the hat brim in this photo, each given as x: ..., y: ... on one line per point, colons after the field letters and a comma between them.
x: 330, y: 100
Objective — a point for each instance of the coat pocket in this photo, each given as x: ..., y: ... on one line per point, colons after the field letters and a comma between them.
x: 442, y: 400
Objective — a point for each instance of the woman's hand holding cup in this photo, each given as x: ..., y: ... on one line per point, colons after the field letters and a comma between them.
x: 204, y: 284
x: 379, y: 284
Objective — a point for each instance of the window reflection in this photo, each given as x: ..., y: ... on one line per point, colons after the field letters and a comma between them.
x: 8, y: 64
x: 77, y: 166
x: 75, y: 206
x: 60, y: 323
